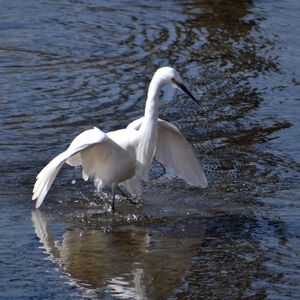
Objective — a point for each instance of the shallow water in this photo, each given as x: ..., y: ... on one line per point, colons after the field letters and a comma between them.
x: 68, y: 65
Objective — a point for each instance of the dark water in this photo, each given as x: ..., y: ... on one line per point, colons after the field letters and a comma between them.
x: 68, y: 65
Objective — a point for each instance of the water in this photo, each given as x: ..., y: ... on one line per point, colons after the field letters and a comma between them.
x: 68, y: 65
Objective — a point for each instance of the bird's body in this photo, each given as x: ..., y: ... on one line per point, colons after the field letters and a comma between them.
x: 124, y: 156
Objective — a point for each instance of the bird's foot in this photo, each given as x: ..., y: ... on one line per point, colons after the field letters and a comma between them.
x: 128, y: 197
x: 133, y: 201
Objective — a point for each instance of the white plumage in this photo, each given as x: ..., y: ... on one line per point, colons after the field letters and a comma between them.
x: 124, y: 156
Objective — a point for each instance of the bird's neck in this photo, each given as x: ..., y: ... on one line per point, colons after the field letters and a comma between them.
x: 148, y: 128
x: 152, y: 103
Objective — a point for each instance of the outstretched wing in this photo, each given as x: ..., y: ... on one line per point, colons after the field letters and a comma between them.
x: 47, y: 175
x: 175, y: 153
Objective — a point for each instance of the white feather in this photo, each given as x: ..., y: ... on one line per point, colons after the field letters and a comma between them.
x: 175, y: 153
x: 46, y: 177
x: 124, y: 156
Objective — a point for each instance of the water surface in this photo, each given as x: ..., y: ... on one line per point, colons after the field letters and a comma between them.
x: 68, y: 65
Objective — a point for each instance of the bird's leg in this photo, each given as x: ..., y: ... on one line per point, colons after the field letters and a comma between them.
x: 113, y: 202
x: 113, y: 190
x: 124, y: 194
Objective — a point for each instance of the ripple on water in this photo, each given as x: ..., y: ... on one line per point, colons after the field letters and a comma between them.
x: 67, y: 66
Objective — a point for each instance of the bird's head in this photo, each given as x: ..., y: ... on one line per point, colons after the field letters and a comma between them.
x: 168, y: 75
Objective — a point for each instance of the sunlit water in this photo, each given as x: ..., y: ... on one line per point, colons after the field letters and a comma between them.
x: 68, y: 65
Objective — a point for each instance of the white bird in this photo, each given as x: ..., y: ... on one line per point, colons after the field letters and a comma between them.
x: 123, y: 157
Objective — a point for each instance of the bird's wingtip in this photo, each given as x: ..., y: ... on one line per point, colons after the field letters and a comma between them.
x: 204, y: 182
x: 205, y: 185
x: 38, y: 203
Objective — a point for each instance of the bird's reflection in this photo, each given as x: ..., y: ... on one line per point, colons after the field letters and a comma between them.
x: 131, y: 262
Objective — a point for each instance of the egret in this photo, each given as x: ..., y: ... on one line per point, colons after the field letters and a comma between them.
x: 123, y: 157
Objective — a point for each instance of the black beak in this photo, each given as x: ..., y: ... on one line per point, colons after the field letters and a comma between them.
x: 182, y: 87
